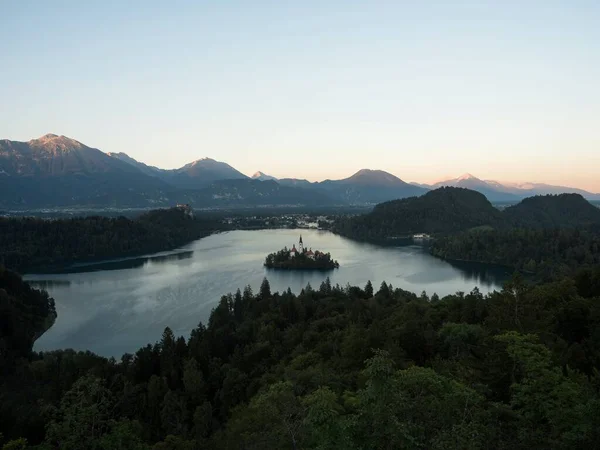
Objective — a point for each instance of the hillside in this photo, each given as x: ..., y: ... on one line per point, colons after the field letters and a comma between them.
x: 553, y: 211
x: 443, y: 210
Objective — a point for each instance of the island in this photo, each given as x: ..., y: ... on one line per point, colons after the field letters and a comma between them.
x: 301, y: 258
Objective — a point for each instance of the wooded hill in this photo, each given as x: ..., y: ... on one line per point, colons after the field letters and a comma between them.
x: 553, y: 211
x: 443, y: 210
x: 37, y: 244
x: 449, y: 210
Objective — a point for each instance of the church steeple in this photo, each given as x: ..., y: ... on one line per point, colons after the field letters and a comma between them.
x: 301, y: 245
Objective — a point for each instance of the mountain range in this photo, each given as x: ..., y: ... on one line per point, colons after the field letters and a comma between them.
x: 496, y: 191
x: 57, y: 171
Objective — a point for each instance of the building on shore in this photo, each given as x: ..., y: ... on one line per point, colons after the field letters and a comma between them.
x: 421, y: 237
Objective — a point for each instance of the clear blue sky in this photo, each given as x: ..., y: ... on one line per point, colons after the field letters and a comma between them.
x: 506, y: 90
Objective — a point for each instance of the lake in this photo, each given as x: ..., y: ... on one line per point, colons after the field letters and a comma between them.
x: 118, y: 306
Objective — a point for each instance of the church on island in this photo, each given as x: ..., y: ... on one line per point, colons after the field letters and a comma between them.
x: 302, y: 250
x: 300, y: 257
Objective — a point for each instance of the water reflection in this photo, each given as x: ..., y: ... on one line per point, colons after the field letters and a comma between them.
x: 483, y: 274
x: 125, y: 263
x: 47, y: 284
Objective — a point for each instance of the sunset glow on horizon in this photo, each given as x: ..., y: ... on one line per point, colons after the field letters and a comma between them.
x: 427, y: 91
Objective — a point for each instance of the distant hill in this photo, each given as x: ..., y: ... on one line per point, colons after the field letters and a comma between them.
x: 443, y: 210
x: 553, y: 211
x: 261, y: 176
x: 369, y: 186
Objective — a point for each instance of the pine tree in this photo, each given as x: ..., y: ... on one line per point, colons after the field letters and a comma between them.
x: 265, y: 289
x: 369, y: 289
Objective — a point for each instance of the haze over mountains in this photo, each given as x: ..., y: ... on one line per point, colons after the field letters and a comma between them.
x: 496, y: 191
x: 56, y: 171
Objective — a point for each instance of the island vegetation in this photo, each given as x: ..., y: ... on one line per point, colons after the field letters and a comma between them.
x: 283, y: 260
x: 28, y: 243
x: 300, y: 259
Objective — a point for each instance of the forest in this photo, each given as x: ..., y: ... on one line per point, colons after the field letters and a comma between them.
x: 553, y: 211
x: 548, y: 253
x: 334, y: 367
x: 444, y: 210
x: 29, y: 243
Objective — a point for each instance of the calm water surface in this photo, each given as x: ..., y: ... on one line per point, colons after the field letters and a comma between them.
x: 111, y: 312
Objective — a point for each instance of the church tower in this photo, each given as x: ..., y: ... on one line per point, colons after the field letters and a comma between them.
x: 301, y: 245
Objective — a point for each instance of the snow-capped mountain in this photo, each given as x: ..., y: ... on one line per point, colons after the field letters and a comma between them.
x: 493, y: 193
x: 503, y: 191
x: 261, y: 176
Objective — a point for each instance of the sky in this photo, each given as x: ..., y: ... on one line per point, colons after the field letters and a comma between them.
x: 505, y: 90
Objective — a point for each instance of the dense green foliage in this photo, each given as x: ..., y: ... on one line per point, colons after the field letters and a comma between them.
x: 25, y: 313
x: 283, y: 260
x: 443, y: 210
x: 545, y: 252
x: 36, y: 244
x: 552, y: 211
x: 334, y: 368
